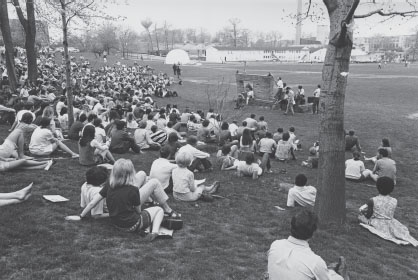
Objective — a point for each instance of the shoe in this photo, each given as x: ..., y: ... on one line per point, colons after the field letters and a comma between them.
x: 49, y: 164
x: 206, y: 197
x: 216, y: 185
x: 151, y: 236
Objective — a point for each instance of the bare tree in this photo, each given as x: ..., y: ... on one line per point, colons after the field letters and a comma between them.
x: 166, y: 34
x: 235, y: 30
x: 147, y: 24
x: 8, y: 43
x: 107, y: 37
x: 126, y: 38
x: 156, y: 34
x: 330, y: 204
x: 29, y: 27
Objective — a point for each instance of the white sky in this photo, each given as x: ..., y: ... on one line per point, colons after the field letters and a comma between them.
x: 256, y: 15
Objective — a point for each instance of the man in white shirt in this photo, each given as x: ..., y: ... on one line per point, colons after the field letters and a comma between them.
x: 200, y: 160
x: 292, y: 258
x: 300, y: 194
x: 316, y: 95
x: 162, y: 168
x: 354, y: 168
x: 233, y: 128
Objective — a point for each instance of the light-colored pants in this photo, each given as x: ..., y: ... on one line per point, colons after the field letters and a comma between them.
x: 150, y: 188
x: 190, y: 196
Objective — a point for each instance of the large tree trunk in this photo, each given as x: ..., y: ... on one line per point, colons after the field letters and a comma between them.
x: 8, y: 43
x: 29, y: 26
x: 330, y: 202
x: 67, y: 65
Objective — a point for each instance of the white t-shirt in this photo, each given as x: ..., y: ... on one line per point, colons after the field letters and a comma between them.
x: 233, y: 128
x: 40, y: 142
x: 21, y: 112
x: 88, y: 192
x: 100, y: 135
x: 303, y: 196
x: 280, y: 84
x: 353, y: 169
x: 317, y: 92
x: 60, y: 105
x: 161, y: 170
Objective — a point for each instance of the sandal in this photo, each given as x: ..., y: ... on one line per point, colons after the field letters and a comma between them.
x: 172, y: 214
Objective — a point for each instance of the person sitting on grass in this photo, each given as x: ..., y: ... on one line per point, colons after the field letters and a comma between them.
x: 378, y: 215
x: 277, y: 136
x: 247, y: 144
x: 77, y: 126
x: 124, y: 200
x: 385, y: 145
x: 95, y: 178
x: 158, y: 135
x: 301, y: 194
x: 249, y: 168
x: 27, y: 127
x: 143, y: 138
x: 267, y: 147
x: 384, y: 166
x: 184, y: 186
x: 351, y: 142
x: 121, y: 142
x: 292, y: 258
x: 173, y: 144
x: 227, y: 156
x: 91, y: 151
x: 162, y: 168
x: 204, y: 133
x: 200, y: 160
x: 313, y: 159
x: 16, y: 197
x: 355, y: 169
x: 43, y: 142
x: 284, y: 148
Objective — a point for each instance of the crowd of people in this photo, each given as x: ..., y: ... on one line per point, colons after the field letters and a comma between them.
x: 115, y: 113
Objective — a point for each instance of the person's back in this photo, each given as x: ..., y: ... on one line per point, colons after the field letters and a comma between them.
x: 353, y: 168
x: 351, y: 141
x: 301, y: 194
x: 386, y: 167
x: 283, y: 150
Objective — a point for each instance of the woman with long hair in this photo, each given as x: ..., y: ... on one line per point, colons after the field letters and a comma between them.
x: 91, y: 151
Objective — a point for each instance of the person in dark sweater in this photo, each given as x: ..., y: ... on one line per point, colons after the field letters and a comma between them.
x: 121, y: 142
x: 74, y: 131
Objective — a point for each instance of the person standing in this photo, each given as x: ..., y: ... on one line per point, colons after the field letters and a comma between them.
x: 290, y: 100
x: 316, y: 95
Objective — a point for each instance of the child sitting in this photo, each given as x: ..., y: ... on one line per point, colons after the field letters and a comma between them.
x: 301, y: 194
x: 91, y: 151
x: 377, y: 215
x: 313, y: 159
x: 95, y: 177
x: 184, y: 186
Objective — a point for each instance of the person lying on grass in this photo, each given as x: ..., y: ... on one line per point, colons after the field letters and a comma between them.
x: 378, y: 215
x: 249, y: 167
x: 124, y: 200
x: 91, y: 151
x: 12, y: 157
x: 147, y: 189
x: 184, y: 185
x: 16, y: 197
x: 43, y: 142
x: 301, y: 194
x: 292, y: 258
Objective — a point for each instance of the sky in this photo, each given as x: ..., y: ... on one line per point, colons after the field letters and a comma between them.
x: 256, y: 15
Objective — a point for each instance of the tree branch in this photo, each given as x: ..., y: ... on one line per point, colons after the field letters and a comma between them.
x: 380, y: 12
x: 20, y: 15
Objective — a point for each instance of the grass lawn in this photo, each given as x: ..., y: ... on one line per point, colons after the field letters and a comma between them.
x: 229, y: 238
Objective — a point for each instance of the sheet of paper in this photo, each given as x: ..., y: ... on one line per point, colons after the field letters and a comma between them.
x: 279, y: 208
x: 73, y: 218
x: 55, y: 198
x: 165, y: 233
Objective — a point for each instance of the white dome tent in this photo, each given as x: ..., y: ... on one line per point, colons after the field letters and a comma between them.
x: 177, y: 56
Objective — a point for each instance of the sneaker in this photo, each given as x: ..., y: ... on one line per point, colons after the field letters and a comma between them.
x: 48, y: 165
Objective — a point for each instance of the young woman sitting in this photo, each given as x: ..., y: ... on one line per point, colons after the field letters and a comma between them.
x: 91, y: 151
x: 43, y: 142
x: 184, y: 186
x: 385, y: 145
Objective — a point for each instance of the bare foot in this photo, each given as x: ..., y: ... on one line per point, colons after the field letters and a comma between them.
x: 25, y: 193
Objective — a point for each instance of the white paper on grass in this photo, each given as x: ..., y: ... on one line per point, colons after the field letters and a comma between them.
x: 55, y: 198
x: 165, y: 232
x: 73, y: 218
x: 279, y: 208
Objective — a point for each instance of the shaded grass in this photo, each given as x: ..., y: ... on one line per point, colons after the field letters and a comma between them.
x: 229, y: 238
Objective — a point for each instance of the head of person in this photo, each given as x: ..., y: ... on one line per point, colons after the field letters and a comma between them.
x: 97, y: 122
x: 48, y: 112
x: 165, y: 152
x: 96, y: 176
x: 226, y: 149
x: 184, y: 159
x: 244, y: 123
x: 269, y: 135
x: 27, y: 118
x: 312, y: 151
x: 63, y: 111
x: 224, y: 126
x: 122, y: 174
x: 120, y: 125
x: 301, y: 180
x: 82, y: 118
x: 383, y: 153
x: 280, y: 130
x: 303, y: 225
x: 91, y: 118
x: 356, y: 155
x: 299, y: 87
x: 285, y: 136
x: 261, y: 118
x: 351, y: 133
x: 252, y: 116
x: 172, y: 137
x: 87, y: 135
x: 205, y: 123
x: 170, y: 124
x: 142, y: 124
x: 44, y: 122
x: 154, y: 128
x: 385, y: 185
x: 292, y: 129
x: 249, y: 159
x: 385, y: 142
x: 319, y: 86
x: 192, y: 140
